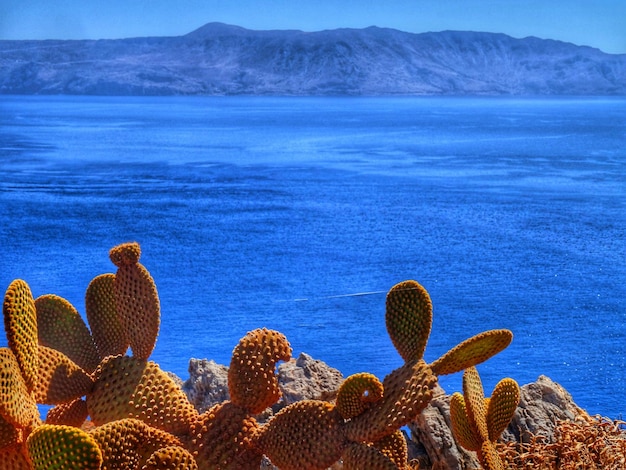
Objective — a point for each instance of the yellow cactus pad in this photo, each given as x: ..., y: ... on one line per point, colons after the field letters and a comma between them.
x: 63, y: 448
x: 136, y: 300
x: 127, y: 387
x: 408, y: 390
x: 489, y: 457
x: 73, y: 413
x: 129, y: 443
x: 61, y: 327
x: 409, y: 316
x: 125, y: 254
x: 223, y: 437
x: 60, y: 379
x: 20, y: 324
x: 306, y: 435
x: 463, y: 429
x: 17, y: 405
x: 394, y: 447
x: 475, y: 401
x: 252, y: 381
x: 106, y: 325
x: 357, y: 393
x: 171, y: 458
x: 14, y: 458
x: 501, y: 407
x: 472, y: 351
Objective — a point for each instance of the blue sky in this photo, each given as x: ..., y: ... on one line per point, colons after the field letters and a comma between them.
x: 597, y: 23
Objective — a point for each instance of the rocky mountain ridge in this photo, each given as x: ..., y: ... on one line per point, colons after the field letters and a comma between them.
x: 219, y: 59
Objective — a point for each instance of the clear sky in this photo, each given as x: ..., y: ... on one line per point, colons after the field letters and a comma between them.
x: 596, y: 23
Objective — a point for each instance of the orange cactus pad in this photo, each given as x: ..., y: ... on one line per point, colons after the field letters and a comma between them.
x: 73, y: 413
x: 125, y: 254
x: 17, y: 405
x: 306, y: 435
x: 357, y: 393
x: 61, y: 327
x: 20, y: 324
x: 129, y: 443
x: 107, y: 328
x: 60, y: 379
x: 171, y: 458
x: 127, y: 387
x: 137, y: 303
x: 235, y: 431
x: 408, y: 390
x: 252, y: 381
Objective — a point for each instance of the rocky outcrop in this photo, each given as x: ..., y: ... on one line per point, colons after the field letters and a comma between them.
x: 542, y: 405
x: 219, y: 59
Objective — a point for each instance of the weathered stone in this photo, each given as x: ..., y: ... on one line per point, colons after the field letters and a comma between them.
x: 435, y: 444
x: 308, y: 379
x: 207, y: 384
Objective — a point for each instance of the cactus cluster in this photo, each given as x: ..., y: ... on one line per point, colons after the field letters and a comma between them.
x: 118, y: 410
x: 477, y: 422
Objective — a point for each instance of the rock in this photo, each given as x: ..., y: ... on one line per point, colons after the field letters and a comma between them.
x: 308, y: 379
x: 207, y: 384
x: 432, y: 435
x: 542, y: 404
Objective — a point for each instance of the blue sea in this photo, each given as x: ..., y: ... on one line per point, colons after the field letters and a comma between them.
x: 298, y: 214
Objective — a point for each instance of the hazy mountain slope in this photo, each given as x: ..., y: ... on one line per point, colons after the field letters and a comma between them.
x: 222, y: 59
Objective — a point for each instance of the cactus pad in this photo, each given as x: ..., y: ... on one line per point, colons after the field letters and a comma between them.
x: 127, y: 387
x: 465, y: 433
x: 306, y: 435
x: 60, y: 379
x: 14, y: 458
x: 171, y: 458
x: 17, y: 406
x: 472, y: 351
x: 223, y: 438
x: 136, y: 300
x: 361, y: 456
x: 125, y: 254
x: 106, y: 325
x: 63, y: 448
x: 409, y: 316
x: 60, y: 327
x: 73, y: 413
x: 408, y: 389
x: 501, y: 407
x: 357, y: 393
x: 252, y: 381
x: 20, y: 325
x: 129, y: 443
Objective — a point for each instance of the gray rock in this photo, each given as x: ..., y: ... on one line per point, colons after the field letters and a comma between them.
x: 433, y: 432
x: 306, y: 378
x: 207, y: 384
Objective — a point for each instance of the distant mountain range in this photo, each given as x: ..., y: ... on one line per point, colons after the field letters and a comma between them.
x: 219, y: 59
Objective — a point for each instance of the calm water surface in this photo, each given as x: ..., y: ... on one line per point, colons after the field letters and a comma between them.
x: 299, y: 214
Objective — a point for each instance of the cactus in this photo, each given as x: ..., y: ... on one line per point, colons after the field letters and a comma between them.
x: 20, y: 325
x: 143, y: 420
x: 130, y: 443
x: 477, y: 422
x: 128, y: 387
x: 252, y: 383
x: 106, y: 324
x: 136, y: 299
x: 63, y: 448
x: 59, y: 326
